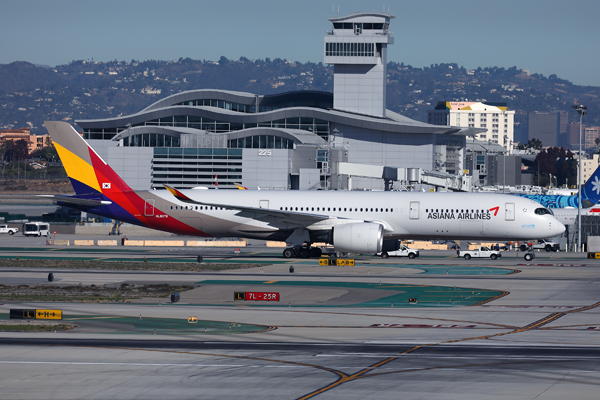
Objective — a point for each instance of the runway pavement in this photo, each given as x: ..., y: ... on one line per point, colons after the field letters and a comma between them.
x: 337, y: 332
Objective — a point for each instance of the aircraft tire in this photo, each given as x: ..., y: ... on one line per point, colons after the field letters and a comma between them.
x: 304, y: 253
x: 528, y: 257
x: 288, y: 253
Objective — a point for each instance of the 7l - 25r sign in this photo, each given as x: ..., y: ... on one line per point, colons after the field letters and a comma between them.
x: 256, y: 296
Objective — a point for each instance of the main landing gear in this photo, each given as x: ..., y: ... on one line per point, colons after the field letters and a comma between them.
x: 529, y: 256
x: 304, y: 251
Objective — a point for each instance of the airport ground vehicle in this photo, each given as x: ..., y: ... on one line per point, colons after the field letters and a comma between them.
x: 36, y: 229
x: 542, y: 244
x: 403, y: 251
x: 481, y: 252
x: 7, y: 229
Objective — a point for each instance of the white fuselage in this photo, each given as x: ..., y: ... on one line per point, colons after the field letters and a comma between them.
x: 403, y: 215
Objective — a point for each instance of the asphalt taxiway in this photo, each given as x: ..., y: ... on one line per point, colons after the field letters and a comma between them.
x: 503, y: 329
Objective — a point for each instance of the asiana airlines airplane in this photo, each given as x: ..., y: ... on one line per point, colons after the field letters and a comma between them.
x: 356, y: 222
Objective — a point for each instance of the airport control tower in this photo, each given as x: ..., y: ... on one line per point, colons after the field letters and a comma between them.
x: 357, y: 49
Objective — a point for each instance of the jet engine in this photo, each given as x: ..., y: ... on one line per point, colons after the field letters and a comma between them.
x: 358, y: 237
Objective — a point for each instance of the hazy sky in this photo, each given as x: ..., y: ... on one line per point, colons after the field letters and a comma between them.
x: 544, y: 36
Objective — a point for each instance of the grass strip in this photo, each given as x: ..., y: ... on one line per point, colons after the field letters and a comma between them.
x: 124, y: 265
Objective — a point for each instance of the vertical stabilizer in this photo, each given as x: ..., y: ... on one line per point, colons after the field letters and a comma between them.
x: 89, y: 174
x: 591, y: 189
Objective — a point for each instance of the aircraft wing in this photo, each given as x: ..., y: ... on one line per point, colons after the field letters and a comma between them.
x: 262, y: 214
x: 66, y: 200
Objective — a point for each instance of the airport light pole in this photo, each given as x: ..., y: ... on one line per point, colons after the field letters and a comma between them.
x: 504, y: 165
x: 581, y: 110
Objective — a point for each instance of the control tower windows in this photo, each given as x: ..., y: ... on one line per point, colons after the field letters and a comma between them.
x: 350, y: 49
x: 360, y: 26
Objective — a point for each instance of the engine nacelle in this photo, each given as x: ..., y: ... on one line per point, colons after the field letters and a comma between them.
x: 358, y: 237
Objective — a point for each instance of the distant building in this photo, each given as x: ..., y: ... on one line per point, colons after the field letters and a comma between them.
x: 589, y: 166
x: 34, y: 142
x: 573, y: 135
x: 590, y: 134
x: 494, y: 117
x: 549, y: 127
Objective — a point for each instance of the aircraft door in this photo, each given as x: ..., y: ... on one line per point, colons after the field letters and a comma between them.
x: 509, y: 211
x: 414, y: 210
x: 263, y: 204
x: 149, y: 208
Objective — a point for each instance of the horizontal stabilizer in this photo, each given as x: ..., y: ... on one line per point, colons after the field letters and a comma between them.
x: 66, y: 200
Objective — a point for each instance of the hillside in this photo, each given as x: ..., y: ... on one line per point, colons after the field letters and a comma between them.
x: 30, y: 94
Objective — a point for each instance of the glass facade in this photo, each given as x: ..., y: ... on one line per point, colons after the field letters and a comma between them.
x: 180, y: 118
x: 317, y: 126
x: 260, y: 142
x: 151, y: 140
x: 227, y: 105
x: 190, y: 167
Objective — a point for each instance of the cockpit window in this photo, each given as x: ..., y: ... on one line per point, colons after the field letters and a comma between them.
x: 542, y: 211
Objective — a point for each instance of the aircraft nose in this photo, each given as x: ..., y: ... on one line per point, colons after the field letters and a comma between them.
x: 556, y: 227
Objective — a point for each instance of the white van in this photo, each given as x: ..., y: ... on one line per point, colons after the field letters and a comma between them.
x: 36, y: 229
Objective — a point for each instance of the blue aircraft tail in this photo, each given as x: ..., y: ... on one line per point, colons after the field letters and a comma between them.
x: 591, y: 189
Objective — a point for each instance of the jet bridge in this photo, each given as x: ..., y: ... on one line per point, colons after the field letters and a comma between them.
x: 406, y: 176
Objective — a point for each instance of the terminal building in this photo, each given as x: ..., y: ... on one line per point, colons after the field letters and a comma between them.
x: 296, y: 140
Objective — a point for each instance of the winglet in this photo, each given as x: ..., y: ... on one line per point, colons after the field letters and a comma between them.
x: 178, y: 195
x: 239, y: 186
